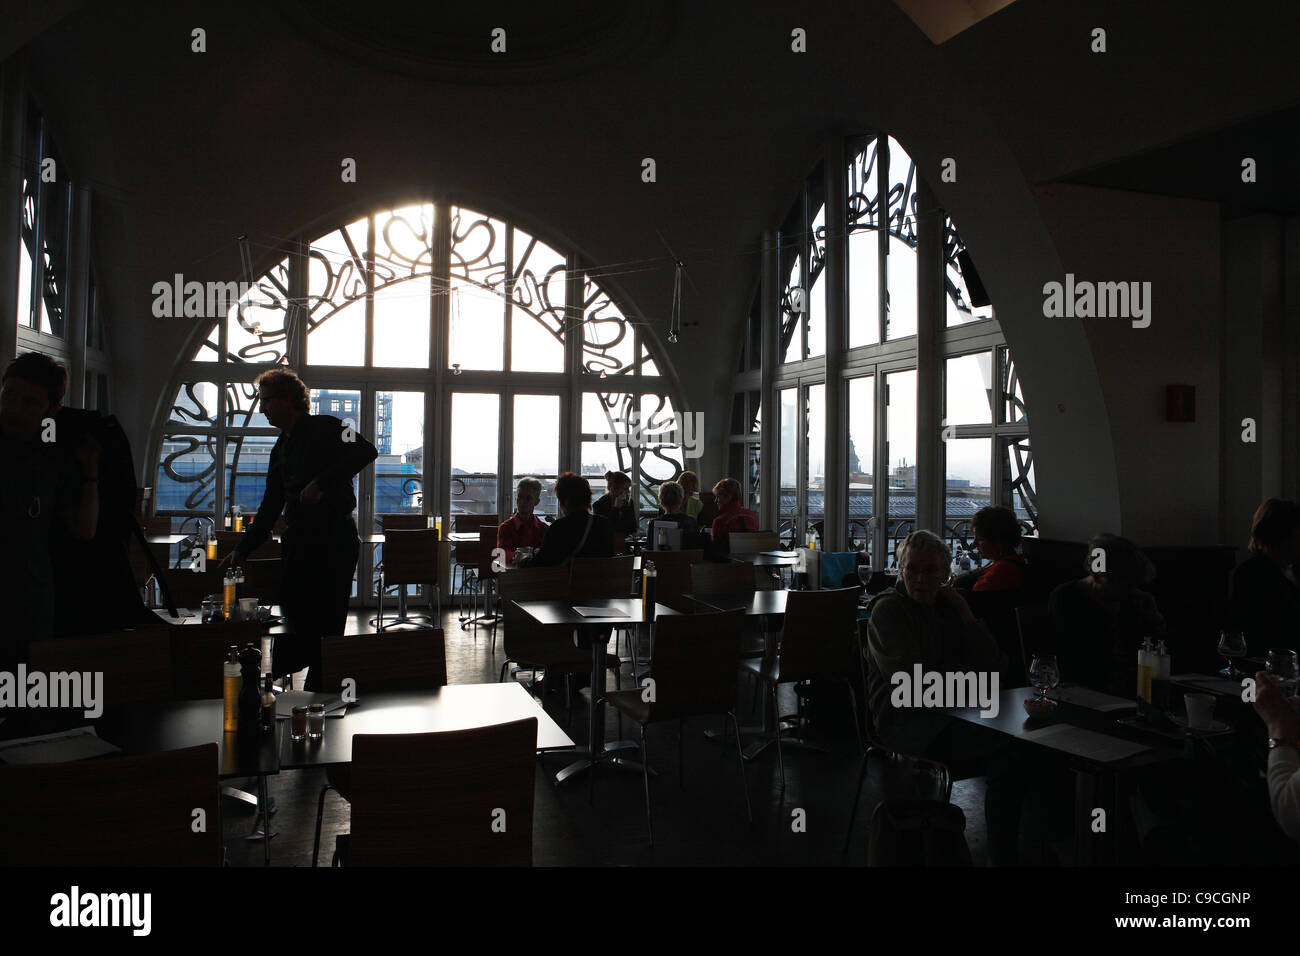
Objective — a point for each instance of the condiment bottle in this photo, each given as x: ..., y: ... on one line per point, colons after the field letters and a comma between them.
x: 649, y: 580
x: 231, y: 684
x: 268, y: 703
x: 228, y: 591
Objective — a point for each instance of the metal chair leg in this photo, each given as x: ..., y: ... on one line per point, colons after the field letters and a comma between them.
x: 740, y: 759
x: 857, y: 798
x: 320, y: 812
x: 776, y: 721
x: 681, y: 753
x: 645, y: 778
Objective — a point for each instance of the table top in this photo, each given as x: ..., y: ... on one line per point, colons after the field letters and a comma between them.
x: 562, y: 613
x: 1012, y: 721
x: 189, y: 615
x: 454, y: 707
x: 767, y: 559
x: 154, y: 728
x: 757, y: 604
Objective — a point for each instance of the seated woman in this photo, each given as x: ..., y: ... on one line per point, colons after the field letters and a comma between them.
x: 671, y: 499
x: 731, y: 516
x: 523, y: 529
x: 577, y: 533
x: 616, y: 503
x: 995, y: 532
x: 690, y: 483
x: 1265, y: 594
x: 1279, y: 716
x: 923, y: 621
x: 1100, y: 620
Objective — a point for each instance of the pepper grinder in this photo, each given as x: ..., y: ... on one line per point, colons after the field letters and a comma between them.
x: 250, y: 700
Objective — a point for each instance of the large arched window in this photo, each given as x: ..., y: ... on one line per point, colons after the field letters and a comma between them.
x: 452, y: 338
x: 923, y: 390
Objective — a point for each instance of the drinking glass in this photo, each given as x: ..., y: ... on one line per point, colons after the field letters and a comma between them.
x: 1232, y: 644
x: 315, y: 721
x: 1282, y: 664
x: 1044, y: 674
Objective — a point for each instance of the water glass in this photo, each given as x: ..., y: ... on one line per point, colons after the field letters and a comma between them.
x: 1282, y: 664
x: 316, y: 721
x: 298, y: 730
x: 1044, y: 674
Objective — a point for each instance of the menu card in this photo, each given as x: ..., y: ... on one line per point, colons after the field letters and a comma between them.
x: 65, y: 746
x: 1093, y: 700
x: 1084, y: 743
x: 600, y: 612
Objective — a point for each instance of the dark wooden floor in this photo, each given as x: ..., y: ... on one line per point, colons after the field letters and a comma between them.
x: 702, y: 823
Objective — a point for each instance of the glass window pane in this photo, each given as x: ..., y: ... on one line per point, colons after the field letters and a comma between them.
x: 606, y: 414
x: 794, y: 305
x: 599, y: 457
x: 959, y: 306
x: 478, y: 326
x: 970, y: 389
x: 607, y: 339
x: 255, y: 324
x: 537, y: 445
x: 336, y: 283
x: 663, y: 439
x: 195, y: 404
x: 473, y: 473
x: 816, y: 317
x: 1013, y: 399
x: 247, y: 459
x: 24, y: 286
x: 815, y: 458
x: 900, y: 422
x: 862, y: 445
x: 187, y: 474
x: 755, y: 414
x: 864, y: 288
x: 754, y: 471
x: 402, y: 320
x: 966, y: 488
x: 399, y: 437
x: 789, y: 432
x: 538, y: 304
x: 243, y: 408
x: 900, y: 319
x: 349, y: 410
x: 1019, y: 487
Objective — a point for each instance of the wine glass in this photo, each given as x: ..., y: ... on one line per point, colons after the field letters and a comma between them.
x: 1232, y: 644
x: 1044, y: 674
x: 1282, y: 664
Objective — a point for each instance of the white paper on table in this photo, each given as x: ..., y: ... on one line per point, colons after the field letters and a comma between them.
x: 285, y: 703
x: 63, y: 747
x: 1215, y: 685
x: 1084, y: 743
x: 1092, y: 699
x: 601, y: 612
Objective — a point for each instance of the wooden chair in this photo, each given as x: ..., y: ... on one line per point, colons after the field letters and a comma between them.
x: 263, y: 579
x: 136, y: 665
x: 816, y: 643
x: 733, y: 579
x: 403, y: 522
x: 410, y: 557
x: 463, y: 798
x: 132, y: 811
x: 602, y: 577
x: 751, y: 542
x: 1036, y: 635
x: 401, y: 661
x: 708, y: 511
x: 198, y: 651
x: 188, y: 588
x: 487, y: 580
x: 693, y: 666
x: 673, y: 572
x: 532, y: 646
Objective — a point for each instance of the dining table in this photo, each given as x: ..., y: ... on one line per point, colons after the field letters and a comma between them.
x: 591, y: 627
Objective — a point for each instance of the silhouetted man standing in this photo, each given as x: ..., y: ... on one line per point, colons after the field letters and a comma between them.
x: 309, y: 478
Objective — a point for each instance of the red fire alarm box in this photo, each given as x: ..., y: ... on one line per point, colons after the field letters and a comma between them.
x: 1180, y: 403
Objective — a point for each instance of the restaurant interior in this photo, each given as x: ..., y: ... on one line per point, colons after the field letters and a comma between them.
x: 888, y: 265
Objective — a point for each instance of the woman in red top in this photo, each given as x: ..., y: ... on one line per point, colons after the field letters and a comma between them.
x: 731, y: 516
x: 996, y: 535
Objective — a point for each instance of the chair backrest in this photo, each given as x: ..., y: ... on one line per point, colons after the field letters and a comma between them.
x: 733, y: 579
x: 519, y: 630
x: 462, y: 798
x: 392, y: 661
x: 262, y: 579
x: 403, y: 522
x: 673, y: 571
x: 749, y: 542
x: 693, y: 664
x: 157, y: 525
x: 133, y: 811
x: 467, y: 523
x: 141, y: 569
x: 487, y: 543
x: 136, y: 665
x: 818, y: 635
x: 199, y: 650
x: 1035, y: 625
x: 411, y: 556
x: 188, y: 588
x: 602, y: 577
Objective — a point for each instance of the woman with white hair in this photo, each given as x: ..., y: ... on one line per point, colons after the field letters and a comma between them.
x: 923, y: 621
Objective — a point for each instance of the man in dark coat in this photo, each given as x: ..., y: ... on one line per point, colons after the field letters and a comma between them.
x: 309, y: 478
